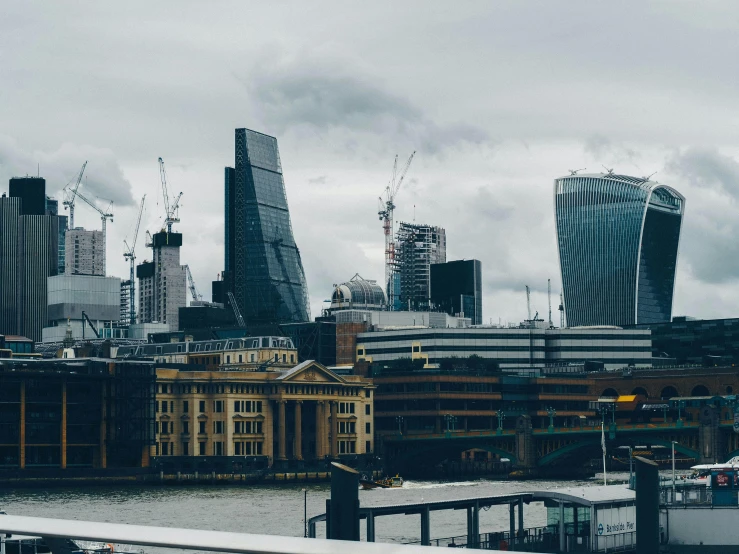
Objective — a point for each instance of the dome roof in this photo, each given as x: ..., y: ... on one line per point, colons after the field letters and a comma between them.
x: 358, y: 293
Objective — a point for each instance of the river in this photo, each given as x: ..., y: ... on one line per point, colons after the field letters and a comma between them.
x: 276, y: 510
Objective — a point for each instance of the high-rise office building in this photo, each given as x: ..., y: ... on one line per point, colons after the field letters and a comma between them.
x: 52, y: 208
x: 417, y: 248
x: 85, y: 252
x: 456, y: 288
x: 162, y: 282
x: 618, y: 240
x: 29, y: 254
x: 263, y: 266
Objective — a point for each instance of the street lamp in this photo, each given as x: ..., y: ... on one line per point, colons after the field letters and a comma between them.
x: 673, y: 471
x: 680, y: 406
x: 631, y: 467
x: 501, y: 417
x: 551, y: 412
x: 305, y: 513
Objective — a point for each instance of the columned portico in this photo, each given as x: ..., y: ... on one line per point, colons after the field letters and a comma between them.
x: 298, y: 451
x: 281, y: 429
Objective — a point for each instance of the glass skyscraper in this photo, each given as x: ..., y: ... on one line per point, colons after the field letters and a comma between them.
x: 618, y: 241
x: 263, y: 266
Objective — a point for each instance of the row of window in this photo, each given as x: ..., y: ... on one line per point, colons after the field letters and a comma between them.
x: 235, y: 388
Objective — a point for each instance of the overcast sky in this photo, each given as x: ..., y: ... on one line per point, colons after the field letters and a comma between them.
x: 498, y: 99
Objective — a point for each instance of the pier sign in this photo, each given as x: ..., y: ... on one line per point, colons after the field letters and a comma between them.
x: 616, y: 521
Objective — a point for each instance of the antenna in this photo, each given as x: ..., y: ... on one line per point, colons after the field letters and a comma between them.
x: 648, y: 177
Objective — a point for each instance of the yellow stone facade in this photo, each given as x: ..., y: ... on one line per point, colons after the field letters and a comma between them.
x: 304, y: 413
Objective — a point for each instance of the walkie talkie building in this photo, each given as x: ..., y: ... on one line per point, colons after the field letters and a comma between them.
x: 618, y: 240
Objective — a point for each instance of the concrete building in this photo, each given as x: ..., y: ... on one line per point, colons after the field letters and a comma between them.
x: 618, y: 240
x: 289, y: 416
x: 417, y: 248
x: 84, y: 252
x: 162, y: 282
x: 70, y: 295
x: 456, y: 289
x: 613, y: 347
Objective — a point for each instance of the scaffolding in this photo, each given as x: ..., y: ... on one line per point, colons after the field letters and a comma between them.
x: 418, y: 246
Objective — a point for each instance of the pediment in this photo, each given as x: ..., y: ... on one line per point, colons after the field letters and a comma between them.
x: 311, y: 372
x: 249, y: 416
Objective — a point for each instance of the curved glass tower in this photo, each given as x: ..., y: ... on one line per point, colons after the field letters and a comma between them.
x: 618, y: 240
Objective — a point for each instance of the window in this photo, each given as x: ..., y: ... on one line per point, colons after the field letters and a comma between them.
x: 228, y: 359
x: 367, y: 409
x: 259, y: 449
x: 165, y: 449
x: 202, y: 406
x: 352, y: 447
x: 251, y: 357
x: 277, y: 357
x: 156, y: 427
x: 342, y: 447
x: 218, y: 406
x: 218, y: 427
x: 218, y: 448
x: 368, y: 446
x: 351, y: 407
x: 237, y: 449
x: 201, y: 448
x: 185, y: 448
x: 284, y: 358
x: 237, y: 405
x: 351, y: 427
x: 185, y: 427
x: 367, y: 428
x: 258, y: 427
x: 292, y: 358
x: 201, y: 427
x: 185, y: 406
x: 240, y: 358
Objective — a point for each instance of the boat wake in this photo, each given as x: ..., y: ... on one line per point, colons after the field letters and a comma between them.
x: 426, y: 485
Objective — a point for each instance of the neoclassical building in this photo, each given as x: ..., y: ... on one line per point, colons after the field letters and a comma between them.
x: 303, y: 413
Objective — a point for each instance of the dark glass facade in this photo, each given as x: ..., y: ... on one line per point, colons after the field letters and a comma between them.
x: 456, y: 287
x: 618, y: 241
x: 263, y: 265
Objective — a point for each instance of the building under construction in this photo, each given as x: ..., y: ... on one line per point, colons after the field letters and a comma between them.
x: 417, y: 247
x: 162, y: 282
x: 84, y: 252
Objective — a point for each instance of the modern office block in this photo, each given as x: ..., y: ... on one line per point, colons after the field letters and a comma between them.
x: 32, y: 192
x: 417, y: 248
x: 456, y: 289
x: 9, y: 215
x: 85, y: 252
x: 69, y: 295
x: 263, y: 266
x: 618, y: 240
x: 52, y: 208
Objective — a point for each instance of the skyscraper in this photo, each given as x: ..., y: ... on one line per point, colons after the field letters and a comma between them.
x: 10, y: 209
x: 456, y: 288
x: 417, y: 247
x: 162, y: 282
x: 618, y: 240
x: 263, y: 266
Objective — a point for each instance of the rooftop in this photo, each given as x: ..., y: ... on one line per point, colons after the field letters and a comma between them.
x: 589, y: 496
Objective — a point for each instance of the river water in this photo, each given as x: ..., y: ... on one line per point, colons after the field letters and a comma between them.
x: 275, y: 510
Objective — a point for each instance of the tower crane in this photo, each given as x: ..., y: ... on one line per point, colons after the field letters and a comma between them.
x: 385, y: 213
x: 170, y: 209
x: 130, y: 255
x: 193, y: 289
x: 105, y: 215
x: 71, y: 196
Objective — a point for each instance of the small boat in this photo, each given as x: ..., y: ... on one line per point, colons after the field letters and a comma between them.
x: 386, y: 483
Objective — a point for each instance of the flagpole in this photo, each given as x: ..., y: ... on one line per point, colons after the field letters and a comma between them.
x: 603, y: 445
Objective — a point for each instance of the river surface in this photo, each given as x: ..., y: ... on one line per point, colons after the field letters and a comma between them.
x: 275, y: 510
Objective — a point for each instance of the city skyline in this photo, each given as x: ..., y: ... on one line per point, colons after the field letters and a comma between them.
x: 487, y: 153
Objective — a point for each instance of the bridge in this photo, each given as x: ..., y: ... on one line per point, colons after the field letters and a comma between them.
x: 710, y: 439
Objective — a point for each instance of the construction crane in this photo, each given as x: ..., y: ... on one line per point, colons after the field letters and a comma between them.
x: 235, y: 308
x: 170, y: 209
x: 71, y: 196
x: 528, y: 302
x: 193, y: 289
x: 105, y: 215
x: 130, y: 255
x: 385, y: 213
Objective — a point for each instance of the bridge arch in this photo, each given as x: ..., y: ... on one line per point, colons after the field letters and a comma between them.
x: 609, y: 392
x: 640, y: 390
x: 700, y: 390
x: 668, y: 392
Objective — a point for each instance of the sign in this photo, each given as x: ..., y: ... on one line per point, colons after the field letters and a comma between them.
x: 736, y: 422
x: 616, y: 521
x: 600, y: 528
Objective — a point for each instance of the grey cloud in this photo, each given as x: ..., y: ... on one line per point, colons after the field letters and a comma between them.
x: 103, y: 178
x: 327, y: 97
x: 706, y: 168
x: 607, y: 151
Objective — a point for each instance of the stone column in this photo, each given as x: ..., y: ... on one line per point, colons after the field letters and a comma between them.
x: 281, y: 424
x: 334, y: 428
x: 298, y: 432
x: 320, y: 429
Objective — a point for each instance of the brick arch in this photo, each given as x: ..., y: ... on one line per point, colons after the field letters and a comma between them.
x: 669, y: 391
x: 641, y: 390
x: 610, y: 391
x: 700, y: 390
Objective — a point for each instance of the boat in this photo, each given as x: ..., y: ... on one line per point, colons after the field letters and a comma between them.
x: 386, y: 483
x: 701, y: 473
